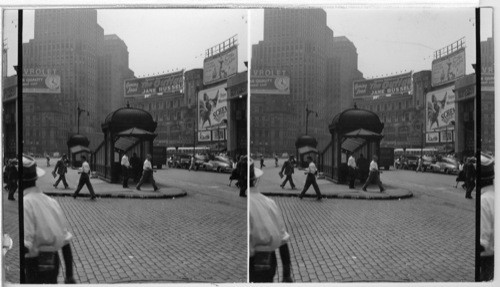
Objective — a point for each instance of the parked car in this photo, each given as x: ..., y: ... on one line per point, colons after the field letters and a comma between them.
x: 181, y: 161
x: 445, y: 164
x: 219, y: 164
x: 427, y: 160
x: 199, y: 160
x: 410, y: 162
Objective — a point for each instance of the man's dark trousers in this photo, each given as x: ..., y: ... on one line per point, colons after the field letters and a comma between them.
x: 125, y: 174
x: 63, y: 178
x: 84, y: 180
x: 311, y: 179
x: 147, y: 175
x: 352, y: 176
x: 288, y: 178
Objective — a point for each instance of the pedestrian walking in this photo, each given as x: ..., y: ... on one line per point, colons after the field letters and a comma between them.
x: 235, y: 172
x: 461, y: 174
x: 267, y: 233
x: 311, y: 172
x: 262, y: 161
x: 61, y: 169
x: 242, y: 175
x: 351, y: 165
x: 191, y: 166
x: 135, y: 162
x: 419, y: 165
x: 84, y: 179
x: 126, y: 168
x: 48, y: 158
x: 374, y: 175
x: 147, y: 174
x: 288, y: 170
x: 487, y: 222
x: 12, y: 174
x: 470, y: 178
x: 45, y: 232
x: 276, y: 160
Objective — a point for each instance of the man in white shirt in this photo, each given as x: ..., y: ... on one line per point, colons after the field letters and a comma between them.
x: 311, y: 179
x: 125, y: 170
x: 351, y: 165
x: 45, y: 232
x: 374, y: 175
x: 85, y: 179
x: 147, y: 174
x: 487, y: 228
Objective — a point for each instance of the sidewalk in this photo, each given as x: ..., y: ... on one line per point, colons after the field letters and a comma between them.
x: 270, y: 185
x: 101, y: 187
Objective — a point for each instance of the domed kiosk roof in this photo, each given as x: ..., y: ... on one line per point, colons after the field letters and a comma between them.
x: 127, y: 118
x: 306, y: 140
x: 78, y: 140
x: 354, y: 119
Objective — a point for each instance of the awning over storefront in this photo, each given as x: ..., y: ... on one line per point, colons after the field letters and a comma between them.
x: 352, y: 144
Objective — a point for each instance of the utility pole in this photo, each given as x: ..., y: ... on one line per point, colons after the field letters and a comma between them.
x: 308, y: 112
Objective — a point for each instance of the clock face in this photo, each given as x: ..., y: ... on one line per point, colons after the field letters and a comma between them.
x: 52, y: 82
x: 282, y: 83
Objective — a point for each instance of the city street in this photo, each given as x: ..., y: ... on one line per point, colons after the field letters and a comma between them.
x: 201, y: 237
x: 428, y: 237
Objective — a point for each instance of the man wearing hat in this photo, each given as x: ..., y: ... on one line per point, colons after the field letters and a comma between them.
x: 374, y: 175
x: 487, y: 230
x: 267, y: 233
x: 147, y: 174
x: 242, y: 169
x: 84, y: 179
x: 61, y: 169
x: 12, y: 177
x: 470, y: 178
x: 288, y: 171
x: 45, y: 231
x: 311, y: 172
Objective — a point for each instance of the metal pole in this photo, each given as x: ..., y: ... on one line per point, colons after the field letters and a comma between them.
x: 307, y: 117
x: 20, y: 142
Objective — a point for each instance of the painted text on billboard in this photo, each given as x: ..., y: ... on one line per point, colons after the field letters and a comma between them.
x: 212, y: 108
x: 163, y: 84
x: 389, y: 85
x: 440, y: 109
x: 269, y: 81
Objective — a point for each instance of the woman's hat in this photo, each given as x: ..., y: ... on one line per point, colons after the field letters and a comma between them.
x: 30, y: 170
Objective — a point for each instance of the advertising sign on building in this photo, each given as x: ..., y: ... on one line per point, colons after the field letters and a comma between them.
x: 220, y: 66
x: 446, y: 136
x: 41, y: 81
x: 212, y: 108
x: 399, y: 84
x: 448, y: 68
x: 204, y: 136
x: 487, y: 79
x: 440, y: 109
x: 156, y: 85
x: 269, y: 81
x: 432, y: 138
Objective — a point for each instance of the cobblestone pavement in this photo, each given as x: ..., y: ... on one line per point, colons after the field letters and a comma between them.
x: 427, y: 238
x: 201, y: 237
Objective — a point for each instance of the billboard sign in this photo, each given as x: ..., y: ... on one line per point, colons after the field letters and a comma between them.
x: 399, y: 84
x: 41, y: 81
x: 156, y: 85
x: 446, y: 136
x: 432, y: 137
x: 212, y: 108
x: 220, y: 66
x: 269, y: 81
x: 204, y: 136
x: 448, y: 68
x: 440, y: 110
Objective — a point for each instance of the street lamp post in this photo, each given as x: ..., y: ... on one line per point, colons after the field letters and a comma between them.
x: 80, y: 111
x: 308, y: 112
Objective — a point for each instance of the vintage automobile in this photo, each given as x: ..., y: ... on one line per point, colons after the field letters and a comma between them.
x: 219, y: 164
x: 446, y: 165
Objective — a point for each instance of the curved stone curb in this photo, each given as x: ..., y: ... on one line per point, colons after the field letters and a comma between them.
x: 408, y: 194
x: 130, y: 196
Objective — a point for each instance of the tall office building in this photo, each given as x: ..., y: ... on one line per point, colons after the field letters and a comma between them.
x: 300, y: 42
x: 70, y: 43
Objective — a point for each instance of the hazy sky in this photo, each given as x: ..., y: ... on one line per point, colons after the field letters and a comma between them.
x: 392, y: 41
x: 158, y: 40
x: 388, y: 41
